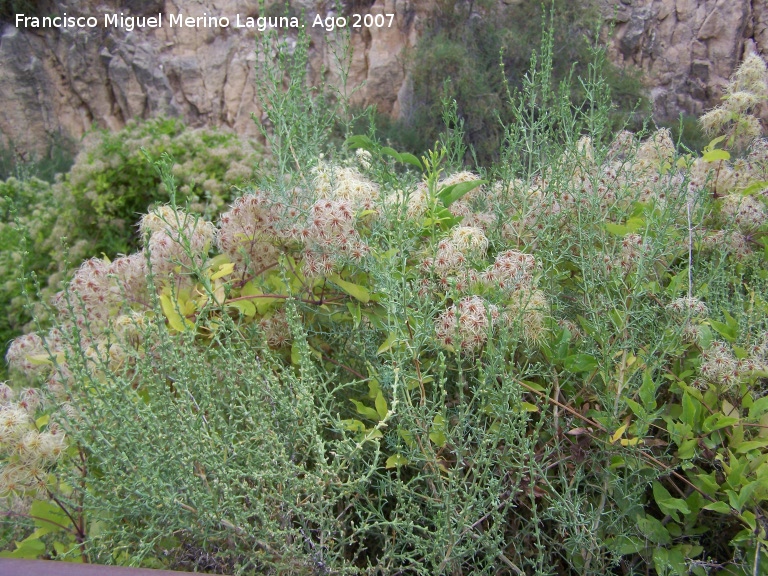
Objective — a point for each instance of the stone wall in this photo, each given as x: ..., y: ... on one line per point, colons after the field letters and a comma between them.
x: 65, y: 81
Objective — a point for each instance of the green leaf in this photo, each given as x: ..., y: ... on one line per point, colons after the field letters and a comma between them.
x: 668, y: 504
x: 437, y: 434
x: 366, y: 411
x: 724, y: 330
x: 718, y: 421
x: 625, y: 545
x: 714, y: 142
x: 719, y: 507
x: 175, y: 320
x: 759, y: 407
x: 396, y: 461
x: 409, y: 158
x: 224, y: 270
x: 392, y: 152
x: 580, y: 363
x: 450, y: 194
x: 388, y: 343
x: 689, y: 410
x: 647, y: 392
x: 353, y: 425
x: 633, y: 224
x: 715, y: 155
x: 355, y: 290
x: 745, y: 447
x: 381, y: 405
x: 354, y: 311
x: 263, y: 304
x: 407, y: 437
x: 360, y: 141
x: 245, y: 307
x: 28, y: 549
x: 654, y: 530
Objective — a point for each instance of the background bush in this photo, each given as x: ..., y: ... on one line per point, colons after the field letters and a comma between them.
x: 96, y: 205
x: 458, y: 56
x: 376, y: 363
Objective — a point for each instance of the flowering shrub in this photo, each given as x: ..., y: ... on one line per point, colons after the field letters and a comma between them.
x: 352, y: 371
x: 95, y: 204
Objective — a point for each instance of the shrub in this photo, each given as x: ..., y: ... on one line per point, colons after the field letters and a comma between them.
x: 458, y: 58
x: 96, y: 204
x: 558, y: 371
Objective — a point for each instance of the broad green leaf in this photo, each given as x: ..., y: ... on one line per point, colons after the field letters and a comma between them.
x: 717, y: 421
x: 388, y: 343
x: 653, y: 529
x: 175, y: 320
x: 616, y: 435
x: 372, y: 434
x: 647, y: 392
x: 759, y: 407
x: 689, y: 410
x: 724, y: 330
x: 354, y: 311
x: 632, y: 225
x: 224, y: 270
x: 437, y: 433
x: 755, y: 188
x: 28, y: 549
x: 407, y: 437
x: 263, y: 304
x: 396, y: 460
x: 409, y: 158
x: 580, y: 363
x: 745, y: 447
x: 391, y: 152
x: 625, y: 545
x: 360, y: 141
x: 353, y: 425
x: 450, y: 194
x: 381, y: 405
x: 45, y: 512
x: 714, y: 142
x: 715, y: 155
x: 668, y: 504
x: 719, y: 507
x: 528, y: 407
x: 631, y: 441
x: 706, y: 483
x: 245, y: 307
x: 366, y: 411
x: 355, y: 290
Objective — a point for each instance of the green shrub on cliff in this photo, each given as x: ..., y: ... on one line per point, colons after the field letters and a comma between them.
x: 95, y: 205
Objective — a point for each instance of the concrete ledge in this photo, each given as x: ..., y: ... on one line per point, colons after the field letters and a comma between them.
x: 14, y: 567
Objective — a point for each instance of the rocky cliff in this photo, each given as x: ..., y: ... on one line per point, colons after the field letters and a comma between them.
x: 66, y: 80
x: 687, y: 49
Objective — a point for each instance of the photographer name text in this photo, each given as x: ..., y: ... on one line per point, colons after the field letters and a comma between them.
x: 129, y: 22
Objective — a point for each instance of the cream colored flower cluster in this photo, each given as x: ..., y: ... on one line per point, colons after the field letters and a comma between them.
x: 691, y: 313
x: 26, y: 452
x: 747, y: 89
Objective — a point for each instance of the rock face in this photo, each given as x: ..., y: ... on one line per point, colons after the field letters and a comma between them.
x: 686, y: 49
x: 66, y: 80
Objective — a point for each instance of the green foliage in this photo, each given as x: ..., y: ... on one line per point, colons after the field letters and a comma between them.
x: 95, y: 205
x: 112, y: 182
x: 9, y: 9
x: 57, y: 159
x: 385, y: 365
x: 458, y: 59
